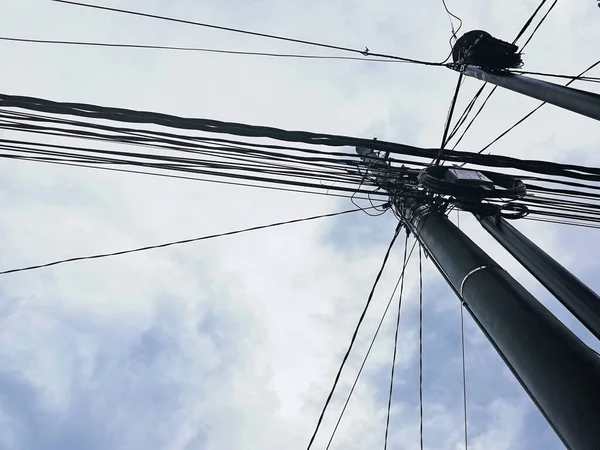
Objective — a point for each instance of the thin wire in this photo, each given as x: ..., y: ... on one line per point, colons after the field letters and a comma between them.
x: 449, y: 118
x: 365, y: 52
x: 400, y: 278
x: 354, y: 335
x: 464, y: 372
x: 389, y: 407
x: 191, y: 49
x: 539, y: 24
x: 450, y: 16
x: 472, y: 103
x: 524, y: 28
x: 464, y: 367
x: 534, y: 110
x: 169, y: 244
x: 421, y: 345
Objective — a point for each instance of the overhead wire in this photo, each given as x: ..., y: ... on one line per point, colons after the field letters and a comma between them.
x: 305, y: 167
x: 353, y: 339
x: 481, y: 89
x: 406, y: 260
x: 534, y: 110
x: 391, y: 391
x: 193, y: 49
x: 172, y: 243
x: 365, y: 52
x: 421, y: 346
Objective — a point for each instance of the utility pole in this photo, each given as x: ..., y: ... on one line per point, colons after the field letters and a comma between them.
x: 575, y: 100
x: 579, y: 299
x: 479, y: 55
x: 558, y: 371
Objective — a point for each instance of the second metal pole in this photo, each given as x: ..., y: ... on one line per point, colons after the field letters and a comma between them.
x: 581, y: 102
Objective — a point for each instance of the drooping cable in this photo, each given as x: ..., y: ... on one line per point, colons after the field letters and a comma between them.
x: 365, y: 52
x: 450, y: 16
x: 390, y: 396
x: 179, y: 242
x: 353, y: 339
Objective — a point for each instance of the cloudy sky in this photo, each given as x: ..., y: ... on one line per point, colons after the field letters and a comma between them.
x: 234, y: 343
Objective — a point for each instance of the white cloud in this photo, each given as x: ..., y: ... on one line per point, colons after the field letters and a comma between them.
x: 234, y: 343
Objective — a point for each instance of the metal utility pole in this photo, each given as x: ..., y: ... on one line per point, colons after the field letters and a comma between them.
x: 576, y: 100
x: 479, y: 55
x: 558, y: 371
x: 568, y: 289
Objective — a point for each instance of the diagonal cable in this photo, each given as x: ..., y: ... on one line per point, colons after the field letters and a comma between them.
x: 400, y: 279
x: 389, y: 407
x: 183, y: 241
x: 360, y: 320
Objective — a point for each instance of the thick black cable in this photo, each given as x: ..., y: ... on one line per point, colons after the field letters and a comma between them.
x: 400, y: 279
x: 390, y: 396
x: 191, y: 49
x: 91, y: 111
x: 365, y: 52
x: 169, y: 244
x: 354, y: 335
x: 182, y: 177
x: 421, y: 345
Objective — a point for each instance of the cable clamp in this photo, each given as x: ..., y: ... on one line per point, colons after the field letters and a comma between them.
x: 476, y: 269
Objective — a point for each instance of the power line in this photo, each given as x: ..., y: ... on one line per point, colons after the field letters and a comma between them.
x: 472, y: 103
x: 365, y: 52
x: 539, y: 24
x: 533, y: 111
x: 390, y: 396
x: 400, y: 279
x: 353, y: 339
x: 464, y: 371
x: 192, y: 49
x: 179, y: 242
x: 421, y: 345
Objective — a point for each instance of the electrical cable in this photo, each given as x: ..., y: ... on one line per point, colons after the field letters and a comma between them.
x: 169, y: 244
x: 449, y: 119
x: 364, y: 361
x: 534, y: 110
x: 450, y: 16
x: 365, y: 52
x: 354, y: 335
x: 390, y: 396
x: 421, y: 345
x: 191, y: 49
x: 464, y: 372
x: 470, y: 106
x: 539, y: 24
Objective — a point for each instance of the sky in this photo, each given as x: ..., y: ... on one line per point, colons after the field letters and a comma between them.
x: 234, y: 343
